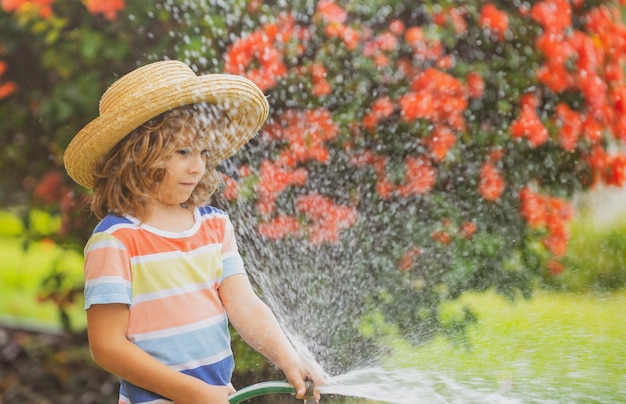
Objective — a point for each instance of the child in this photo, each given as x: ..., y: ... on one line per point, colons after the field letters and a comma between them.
x: 162, y: 269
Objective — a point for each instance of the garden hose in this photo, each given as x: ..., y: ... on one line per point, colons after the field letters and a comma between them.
x: 262, y: 389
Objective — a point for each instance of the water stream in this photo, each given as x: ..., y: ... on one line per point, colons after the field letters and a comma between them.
x: 410, y: 386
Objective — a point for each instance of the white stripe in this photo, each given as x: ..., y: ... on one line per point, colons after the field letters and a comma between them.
x: 232, y: 254
x: 161, y: 294
x: 118, y: 226
x: 203, y: 362
x: 179, y: 330
x: 107, y: 243
x: 107, y: 279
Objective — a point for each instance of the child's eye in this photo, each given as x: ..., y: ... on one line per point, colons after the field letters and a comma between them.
x: 183, y: 152
x: 205, y: 153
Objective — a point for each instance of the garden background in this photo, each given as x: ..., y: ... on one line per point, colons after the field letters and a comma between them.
x: 431, y: 164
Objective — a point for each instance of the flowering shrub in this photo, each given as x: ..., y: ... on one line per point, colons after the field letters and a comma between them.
x: 413, y: 152
x: 447, y: 139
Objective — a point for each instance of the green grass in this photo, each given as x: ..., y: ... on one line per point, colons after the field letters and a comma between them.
x: 563, y: 347
x: 596, y: 257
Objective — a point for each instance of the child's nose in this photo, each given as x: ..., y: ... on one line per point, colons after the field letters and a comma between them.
x: 198, y: 164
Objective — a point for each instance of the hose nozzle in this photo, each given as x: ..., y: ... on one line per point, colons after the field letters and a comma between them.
x: 310, y: 387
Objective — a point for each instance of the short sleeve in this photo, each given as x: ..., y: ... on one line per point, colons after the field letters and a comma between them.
x: 231, y: 260
x: 107, y: 271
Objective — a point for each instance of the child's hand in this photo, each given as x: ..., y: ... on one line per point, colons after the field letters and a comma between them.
x: 306, y: 371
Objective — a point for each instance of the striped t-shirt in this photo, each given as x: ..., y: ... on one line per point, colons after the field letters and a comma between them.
x: 170, y: 282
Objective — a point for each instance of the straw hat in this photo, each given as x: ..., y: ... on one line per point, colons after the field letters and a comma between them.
x: 158, y: 87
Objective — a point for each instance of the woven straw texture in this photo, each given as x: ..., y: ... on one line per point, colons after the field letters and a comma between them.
x: 158, y: 87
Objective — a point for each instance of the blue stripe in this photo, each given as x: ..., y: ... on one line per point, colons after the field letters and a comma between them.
x: 110, y: 221
x: 217, y: 374
x: 232, y: 266
x: 207, y: 209
x: 182, y: 348
x: 107, y: 293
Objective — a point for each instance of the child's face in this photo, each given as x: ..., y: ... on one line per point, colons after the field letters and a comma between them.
x: 183, y: 171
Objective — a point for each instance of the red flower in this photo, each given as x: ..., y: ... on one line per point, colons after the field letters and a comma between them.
x: 231, y: 188
x: 414, y: 36
x: 386, y: 42
x: 108, y: 8
x: 381, y: 108
x: 494, y: 20
x: 397, y: 27
x: 475, y: 85
x: 416, y: 106
x: 569, y: 123
x: 7, y: 89
x: 557, y: 51
x: 408, y: 259
x: 260, y: 47
x: 588, y: 54
x: 420, y: 177
x: 491, y: 183
x: 280, y: 227
x: 335, y: 17
x: 440, y: 142
x: 595, y: 91
x: 532, y: 208
x: 326, y: 218
x: 608, y: 31
x: 553, y: 15
x: 272, y: 181
x: 384, y: 187
x: 553, y: 213
x: 618, y: 100
x: 10, y: 87
x: 331, y: 12
x: 598, y: 160
x: 555, y: 77
x: 306, y: 133
x: 528, y: 123
x: 436, y: 96
x: 496, y: 154
x: 441, y: 236
x: 616, y: 173
x: 43, y: 7
x: 453, y: 16
x: 555, y: 267
x: 50, y: 188
x: 468, y: 229
x: 321, y: 86
x: 592, y: 129
x: 254, y: 6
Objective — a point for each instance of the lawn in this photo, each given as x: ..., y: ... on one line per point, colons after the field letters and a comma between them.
x: 561, y: 347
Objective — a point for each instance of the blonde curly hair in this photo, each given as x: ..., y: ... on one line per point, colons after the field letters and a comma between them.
x: 126, y: 176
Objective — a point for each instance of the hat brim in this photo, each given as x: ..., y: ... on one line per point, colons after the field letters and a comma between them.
x: 246, y: 106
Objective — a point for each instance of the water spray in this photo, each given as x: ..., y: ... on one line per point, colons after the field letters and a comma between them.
x: 265, y: 388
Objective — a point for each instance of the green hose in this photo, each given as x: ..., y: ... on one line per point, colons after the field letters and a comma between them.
x: 261, y: 389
